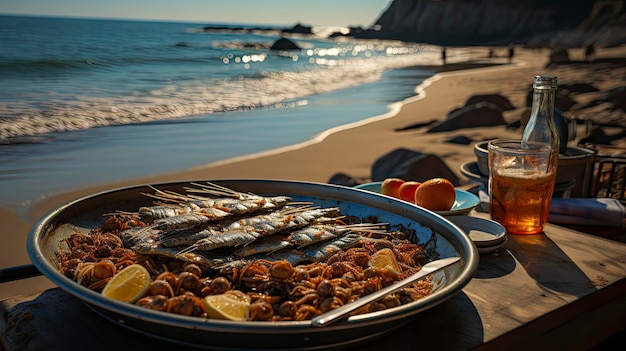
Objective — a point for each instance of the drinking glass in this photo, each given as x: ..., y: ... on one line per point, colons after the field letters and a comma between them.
x: 521, y: 183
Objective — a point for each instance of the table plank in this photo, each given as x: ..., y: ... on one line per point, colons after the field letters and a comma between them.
x: 560, y: 290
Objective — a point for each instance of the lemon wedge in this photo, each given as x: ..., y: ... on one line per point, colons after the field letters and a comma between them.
x: 129, y: 284
x: 225, y: 306
x: 385, y: 260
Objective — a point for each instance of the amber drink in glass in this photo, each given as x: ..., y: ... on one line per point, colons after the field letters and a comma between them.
x: 521, y: 182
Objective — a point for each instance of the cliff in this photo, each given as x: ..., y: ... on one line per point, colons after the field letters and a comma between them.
x: 500, y: 22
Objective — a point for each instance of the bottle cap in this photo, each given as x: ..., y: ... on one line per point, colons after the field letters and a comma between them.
x: 544, y: 82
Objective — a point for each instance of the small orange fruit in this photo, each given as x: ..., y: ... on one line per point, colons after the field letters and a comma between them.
x: 391, y: 186
x: 407, y: 190
x: 437, y: 194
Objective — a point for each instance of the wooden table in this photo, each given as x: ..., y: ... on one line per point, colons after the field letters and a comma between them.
x: 562, y: 290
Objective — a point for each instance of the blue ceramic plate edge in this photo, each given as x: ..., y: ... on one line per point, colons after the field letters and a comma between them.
x: 457, y: 209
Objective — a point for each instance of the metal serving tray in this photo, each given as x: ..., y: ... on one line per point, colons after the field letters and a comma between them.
x: 448, y: 240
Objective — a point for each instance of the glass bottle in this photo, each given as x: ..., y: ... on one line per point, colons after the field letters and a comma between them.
x: 541, y: 126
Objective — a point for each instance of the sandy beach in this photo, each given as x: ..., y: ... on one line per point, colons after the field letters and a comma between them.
x: 352, y: 149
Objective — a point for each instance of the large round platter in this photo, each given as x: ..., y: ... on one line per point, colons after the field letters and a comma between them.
x: 45, y: 238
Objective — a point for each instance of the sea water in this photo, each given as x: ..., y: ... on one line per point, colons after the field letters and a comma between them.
x: 89, y: 101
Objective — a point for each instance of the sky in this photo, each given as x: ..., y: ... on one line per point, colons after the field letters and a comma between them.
x: 316, y: 13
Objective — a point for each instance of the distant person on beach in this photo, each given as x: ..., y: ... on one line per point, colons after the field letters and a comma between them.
x: 511, y: 52
x: 443, y: 56
x: 490, y: 53
x: 590, y: 51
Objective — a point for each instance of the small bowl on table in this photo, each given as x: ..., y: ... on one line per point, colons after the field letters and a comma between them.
x: 482, y: 157
x: 486, y: 234
x: 464, y: 203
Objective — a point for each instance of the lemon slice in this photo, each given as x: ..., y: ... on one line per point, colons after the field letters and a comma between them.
x: 224, y: 306
x: 129, y: 284
x: 385, y: 260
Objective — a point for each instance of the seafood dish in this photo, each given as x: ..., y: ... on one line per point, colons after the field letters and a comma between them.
x: 283, y: 260
x: 285, y: 250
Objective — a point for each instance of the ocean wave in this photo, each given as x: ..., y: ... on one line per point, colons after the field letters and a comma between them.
x: 199, y: 96
x: 269, y: 89
x: 57, y: 65
x: 40, y: 65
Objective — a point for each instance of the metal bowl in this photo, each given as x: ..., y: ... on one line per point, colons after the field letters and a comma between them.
x: 45, y: 239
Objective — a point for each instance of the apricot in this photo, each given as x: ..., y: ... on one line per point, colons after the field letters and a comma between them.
x: 437, y: 194
x: 407, y: 190
x: 391, y: 187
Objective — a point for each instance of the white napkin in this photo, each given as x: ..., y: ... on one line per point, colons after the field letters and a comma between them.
x: 578, y: 211
x: 587, y: 211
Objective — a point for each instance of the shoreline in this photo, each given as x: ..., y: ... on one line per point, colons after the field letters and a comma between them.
x: 350, y: 149
x: 63, y: 162
x: 235, y: 165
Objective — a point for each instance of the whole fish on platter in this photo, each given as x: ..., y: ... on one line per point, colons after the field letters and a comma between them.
x: 247, y: 230
x: 306, y: 236
x: 311, y: 253
x: 230, y: 202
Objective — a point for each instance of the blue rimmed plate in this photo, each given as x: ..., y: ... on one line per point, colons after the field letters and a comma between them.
x: 464, y: 203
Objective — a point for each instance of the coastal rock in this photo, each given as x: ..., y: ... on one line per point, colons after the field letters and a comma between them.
x: 525, y: 117
x: 558, y: 56
x: 461, y: 22
x: 481, y: 114
x: 614, y: 98
x: 299, y: 29
x: 598, y: 136
x: 416, y: 125
x: 495, y: 99
x: 411, y: 165
x: 352, y: 31
x: 562, y: 100
x: 501, y: 22
x: 460, y: 139
x: 514, y: 125
x: 580, y: 87
x: 284, y: 44
x: 343, y: 179
x: 617, y: 97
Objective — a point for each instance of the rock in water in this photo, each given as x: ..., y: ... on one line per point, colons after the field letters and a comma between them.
x: 284, y: 44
